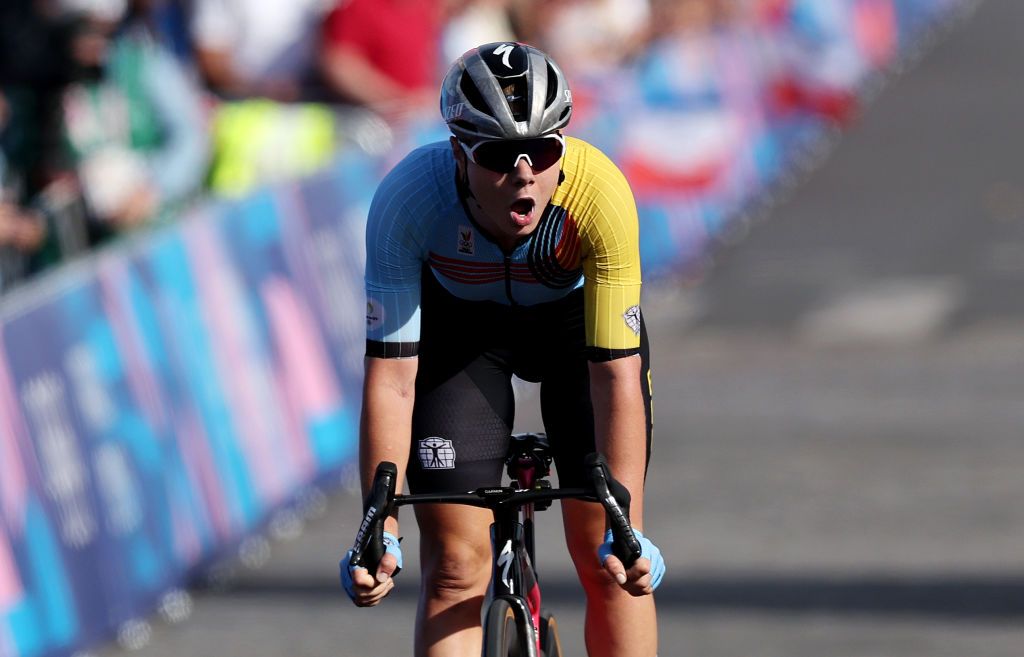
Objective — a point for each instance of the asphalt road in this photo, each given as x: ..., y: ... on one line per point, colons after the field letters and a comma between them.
x: 839, y: 410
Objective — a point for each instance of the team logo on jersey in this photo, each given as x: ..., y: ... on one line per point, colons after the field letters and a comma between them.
x: 436, y: 453
x: 466, y: 241
x: 632, y: 317
x: 374, y: 314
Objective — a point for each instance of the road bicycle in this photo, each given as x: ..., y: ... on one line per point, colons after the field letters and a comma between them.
x: 515, y: 624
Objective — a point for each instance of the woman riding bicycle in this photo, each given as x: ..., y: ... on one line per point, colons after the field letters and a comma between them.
x: 508, y: 250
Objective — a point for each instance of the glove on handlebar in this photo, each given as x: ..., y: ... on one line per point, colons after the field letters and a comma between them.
x: 648, y: 550
x: 391, y: 546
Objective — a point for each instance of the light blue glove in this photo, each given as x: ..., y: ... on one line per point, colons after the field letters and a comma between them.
x: 648, y: 550
x: 391, y: 546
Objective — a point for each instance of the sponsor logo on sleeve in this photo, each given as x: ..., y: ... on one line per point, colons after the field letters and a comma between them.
x: 632, y: 317
x: 374, y: 314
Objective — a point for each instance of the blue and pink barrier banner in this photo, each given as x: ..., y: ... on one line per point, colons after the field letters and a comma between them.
x: 157, y: 403
x: 160, y: 400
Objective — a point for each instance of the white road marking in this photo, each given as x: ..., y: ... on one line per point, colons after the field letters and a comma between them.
x: 888, y: 311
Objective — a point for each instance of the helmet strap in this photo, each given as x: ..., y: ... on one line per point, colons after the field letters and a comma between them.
x: 462, y: 185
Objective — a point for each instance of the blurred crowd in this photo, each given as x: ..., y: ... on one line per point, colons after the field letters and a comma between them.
x: 117, y: 114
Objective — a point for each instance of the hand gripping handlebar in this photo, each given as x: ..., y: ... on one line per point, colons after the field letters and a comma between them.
x: 379, y: 504
x: 368, y: 549
x: 615, y: 499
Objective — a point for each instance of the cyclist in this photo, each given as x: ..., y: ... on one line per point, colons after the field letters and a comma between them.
x: 509, y: 249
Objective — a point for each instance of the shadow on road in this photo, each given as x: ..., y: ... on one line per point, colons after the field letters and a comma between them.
x: 964, y: 597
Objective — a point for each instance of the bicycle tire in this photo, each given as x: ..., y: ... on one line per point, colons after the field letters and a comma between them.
x: 501, y: 636
x: 549, y: 642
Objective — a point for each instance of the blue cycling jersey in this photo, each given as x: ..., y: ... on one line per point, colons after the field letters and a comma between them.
x: 587, y: 236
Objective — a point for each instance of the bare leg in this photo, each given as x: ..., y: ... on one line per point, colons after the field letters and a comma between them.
x: 455, y: 555
x: 617, y: 624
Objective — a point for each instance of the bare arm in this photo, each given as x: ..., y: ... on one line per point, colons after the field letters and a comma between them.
x: 353, y: 78
x: 384, y: 433
x: 621, y: 425
x: 218, y: 70
x: 385, y: 428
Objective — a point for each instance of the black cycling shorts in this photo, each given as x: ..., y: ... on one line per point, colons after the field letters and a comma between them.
x: 464, y: 407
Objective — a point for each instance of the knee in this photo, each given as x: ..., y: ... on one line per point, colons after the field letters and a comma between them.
x: 593, y: 577
x: 455, y: 568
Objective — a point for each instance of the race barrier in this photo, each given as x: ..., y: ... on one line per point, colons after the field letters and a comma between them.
x: 160, y: 400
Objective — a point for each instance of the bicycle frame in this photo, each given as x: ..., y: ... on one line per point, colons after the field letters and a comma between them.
x: 512, y: 533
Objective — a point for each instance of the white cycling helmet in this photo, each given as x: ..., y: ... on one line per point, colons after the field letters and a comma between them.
x: 505, y: 91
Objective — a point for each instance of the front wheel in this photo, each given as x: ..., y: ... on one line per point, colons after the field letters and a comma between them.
x: 549, y: 643
x: 501, y: 637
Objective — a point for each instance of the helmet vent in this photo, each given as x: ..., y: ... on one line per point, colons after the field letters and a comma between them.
x: 552, y: 91
x: 472, y: 94
x: 515, y: 90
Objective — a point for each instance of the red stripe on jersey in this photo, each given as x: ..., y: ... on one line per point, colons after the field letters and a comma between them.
x: 567, y: 251
x: 466, y: 265
x: 468, y: 271
x: 470, y: 280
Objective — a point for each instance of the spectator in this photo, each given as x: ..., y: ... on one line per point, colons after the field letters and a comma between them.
x: 697, y: 113
x: 257, y: 49
x: 40, y: 222
x: 35, y: 66
x: 41, y: 218
x: 22, y: 234
x: 383, y: 54
x: 676, y: 18
x: 820, y: 62
x: 472, y: 22
x: 135, y: 124
x: 169, y: 19
x: 22, y: 229
x: 588, y: 37
x: 34, y: 45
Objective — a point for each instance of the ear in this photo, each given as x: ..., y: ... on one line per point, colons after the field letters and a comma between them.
x: 459, y: 155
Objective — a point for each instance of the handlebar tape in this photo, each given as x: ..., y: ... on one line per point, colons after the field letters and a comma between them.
x: 369, y: 545
x: 615, y: 499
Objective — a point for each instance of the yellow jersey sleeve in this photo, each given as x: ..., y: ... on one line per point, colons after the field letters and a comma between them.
x: 599, y: 199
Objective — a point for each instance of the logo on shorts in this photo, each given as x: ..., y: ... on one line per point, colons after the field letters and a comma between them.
x: 437, y: 454
x: 632, y: 317
x: 466, y: 243
x: 374, y: 314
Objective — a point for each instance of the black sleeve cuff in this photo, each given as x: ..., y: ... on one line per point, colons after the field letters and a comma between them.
x: 376, y: 349
x: 599, y: 355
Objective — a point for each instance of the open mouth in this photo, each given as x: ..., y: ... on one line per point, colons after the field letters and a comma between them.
x: 522, y: 211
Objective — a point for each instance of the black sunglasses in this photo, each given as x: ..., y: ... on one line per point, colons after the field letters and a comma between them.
x: 503, y: 155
